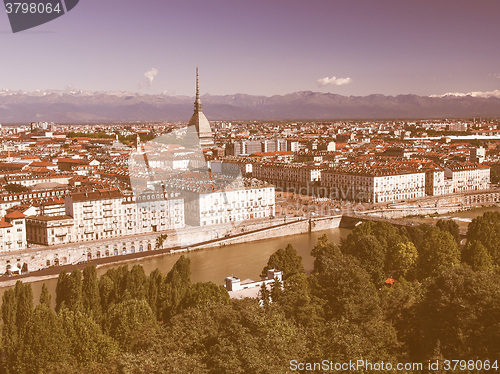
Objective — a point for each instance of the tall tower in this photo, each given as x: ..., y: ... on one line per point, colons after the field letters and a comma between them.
x: 138, y: 145
x: 199, y: 120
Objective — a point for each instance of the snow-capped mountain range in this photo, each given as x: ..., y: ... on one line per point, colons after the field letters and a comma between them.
x: 77, y: 106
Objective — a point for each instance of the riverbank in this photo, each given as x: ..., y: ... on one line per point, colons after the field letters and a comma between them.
x: 244, y: 260
x: 285, y: 229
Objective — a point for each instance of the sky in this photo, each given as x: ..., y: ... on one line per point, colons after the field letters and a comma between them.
x: 260, y: 47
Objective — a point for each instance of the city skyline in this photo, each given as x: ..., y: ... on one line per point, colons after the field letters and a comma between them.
x: 349, y: 48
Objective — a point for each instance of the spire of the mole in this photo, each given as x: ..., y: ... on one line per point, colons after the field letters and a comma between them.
x: 197, y: 103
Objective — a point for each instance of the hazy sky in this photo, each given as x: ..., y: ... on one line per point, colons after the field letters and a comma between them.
x: 349, y: 47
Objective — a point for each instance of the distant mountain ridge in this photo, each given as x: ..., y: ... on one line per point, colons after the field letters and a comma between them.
x: 76, y: 106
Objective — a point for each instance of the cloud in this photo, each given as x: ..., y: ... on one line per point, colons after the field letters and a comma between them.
x: 150, y: 76
x: 487, y: 94
x: 333, y: 81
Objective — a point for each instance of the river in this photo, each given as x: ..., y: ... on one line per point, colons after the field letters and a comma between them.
x: 214, y: 264
x: 248, y: 259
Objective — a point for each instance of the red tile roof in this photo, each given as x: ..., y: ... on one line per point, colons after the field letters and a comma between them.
x: 14, y: 215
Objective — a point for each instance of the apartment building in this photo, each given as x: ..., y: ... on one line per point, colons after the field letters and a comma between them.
x: 435, y: 182
x: 299, y: 178
x: 47, y: 202
x: 96, y: 214
x: 467, y: 176
x: 13, y: 232
x: 152, y: 211
x: 50, y: 230
x: 107, y: 214
x: 373, y: 185
x: 214, y: 200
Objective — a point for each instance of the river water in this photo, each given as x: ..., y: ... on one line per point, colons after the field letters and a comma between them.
x: 248, y: 259
x: 214, y: 264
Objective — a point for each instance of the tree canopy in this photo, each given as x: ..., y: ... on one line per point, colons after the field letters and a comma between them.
x: 442, y: 302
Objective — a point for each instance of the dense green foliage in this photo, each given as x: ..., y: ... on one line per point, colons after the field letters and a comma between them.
x: 486, y: 230
x: 443, y: 302
x: 285, y: 260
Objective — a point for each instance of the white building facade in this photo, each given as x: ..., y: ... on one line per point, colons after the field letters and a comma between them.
x: 466, y: 177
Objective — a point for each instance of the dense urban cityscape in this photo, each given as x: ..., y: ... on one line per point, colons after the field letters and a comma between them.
x: 77, y: 195
x: 65, y: 184
x: 264, y: 187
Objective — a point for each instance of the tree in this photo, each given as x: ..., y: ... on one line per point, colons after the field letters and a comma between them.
x: 90, y: 293
x: 137, y: 282
x: 322, y: 251
x: 85, y: 339
x: 265, y: 296
x: 155, y: 282
x: 240, y: 337
x: 24, y: 296
x: 477, y: 256
x: 10, y: 335
x: 106, y: 293
x: 17, y: 312
x: 385, y: 233
x: 460, y: 311
x: 399, y: 304
x: 439, y: 251
x: 160, y: 240
x: 277, y: 291
x: 45, y: 297
x: 486, y: 229
x: 174, y: 287
x: 297, y: 301
x: 375, y: 245
x: 417, y: 234
x: 287, y: 260
x: 346, y: 289
x: 205, y: 294
x: 450, y: 226
x: 128, y: 316
x: 405, y: 259
x: 341, y: 339
x: 45, y: 341
x: 370, y: 254
x: 69, y: 290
